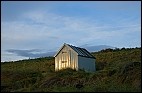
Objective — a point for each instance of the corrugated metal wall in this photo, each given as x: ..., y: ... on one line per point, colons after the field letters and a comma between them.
x: 88, y: 64
x: 66, y: 58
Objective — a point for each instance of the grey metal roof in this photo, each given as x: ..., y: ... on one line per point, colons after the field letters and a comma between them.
x: 81, y: 51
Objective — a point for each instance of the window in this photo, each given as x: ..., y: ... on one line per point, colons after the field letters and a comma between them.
x: 64, y: 52
x: 64, y: 61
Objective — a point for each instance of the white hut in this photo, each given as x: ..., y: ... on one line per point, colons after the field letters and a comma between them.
x: 73, y: 57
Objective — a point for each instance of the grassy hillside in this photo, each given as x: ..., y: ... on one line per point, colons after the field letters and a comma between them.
x: 118, y: 70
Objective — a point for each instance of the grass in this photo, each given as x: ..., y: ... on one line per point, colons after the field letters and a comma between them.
x: 117, y: 71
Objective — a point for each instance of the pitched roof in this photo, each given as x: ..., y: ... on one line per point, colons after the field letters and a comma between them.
x: 81, y: 51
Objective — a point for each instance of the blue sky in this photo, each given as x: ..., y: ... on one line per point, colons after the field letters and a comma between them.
x: 43, y: 26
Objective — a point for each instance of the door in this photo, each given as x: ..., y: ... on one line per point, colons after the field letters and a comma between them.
x: 64, y: 59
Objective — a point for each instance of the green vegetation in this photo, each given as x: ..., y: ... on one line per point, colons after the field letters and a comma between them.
x: 118, y: 70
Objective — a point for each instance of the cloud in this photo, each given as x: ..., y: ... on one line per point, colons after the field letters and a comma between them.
x: 47, y: 30
x: 40, y: 27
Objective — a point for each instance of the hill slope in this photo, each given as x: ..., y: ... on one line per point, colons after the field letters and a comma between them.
x: 118, y: 70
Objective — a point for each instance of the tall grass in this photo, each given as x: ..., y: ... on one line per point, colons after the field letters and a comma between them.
x: 117, y: 71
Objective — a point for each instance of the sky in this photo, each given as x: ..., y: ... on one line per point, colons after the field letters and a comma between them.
x: 34, y: 28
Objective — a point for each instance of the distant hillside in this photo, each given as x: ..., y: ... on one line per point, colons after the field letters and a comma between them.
x: 97, y: 48
x: 89, y: 48
x: 36, y: 53
x: 118, y: 70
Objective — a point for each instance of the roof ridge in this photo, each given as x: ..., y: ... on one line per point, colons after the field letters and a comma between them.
x: 76, y: 46
x: 82, y: 51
